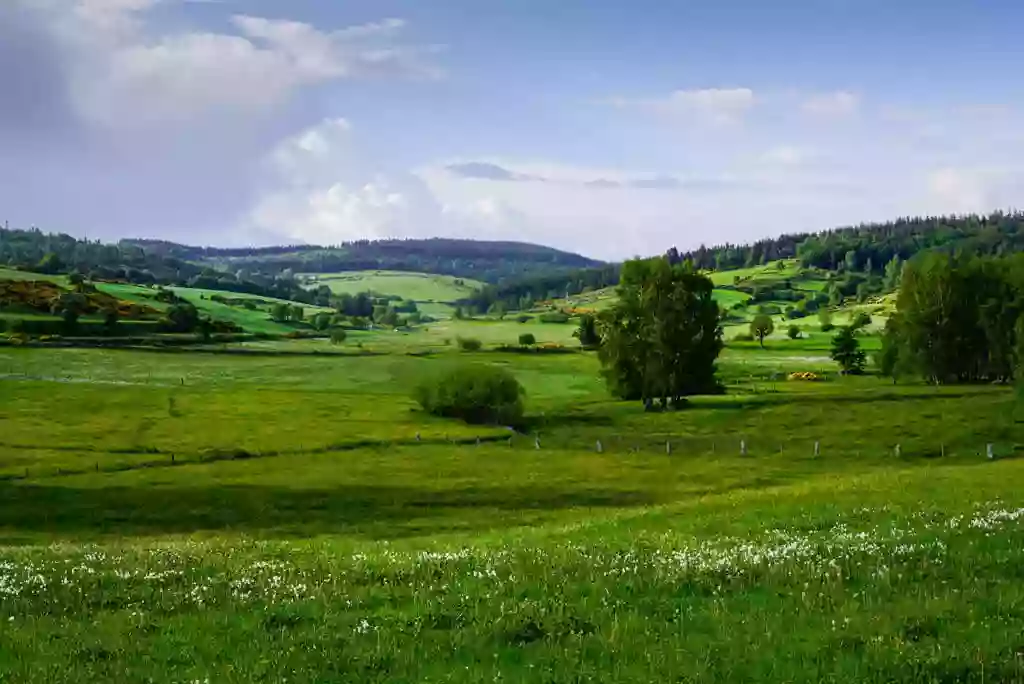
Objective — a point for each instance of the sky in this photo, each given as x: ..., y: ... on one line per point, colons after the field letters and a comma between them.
x: 611, y: 129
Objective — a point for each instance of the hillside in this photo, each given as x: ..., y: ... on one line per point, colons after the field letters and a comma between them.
x: 865, y: 260
x: 482, y: 260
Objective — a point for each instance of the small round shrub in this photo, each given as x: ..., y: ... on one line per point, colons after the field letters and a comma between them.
x: 338, y: 335
x: 476, y: 393
x: 794, y: 332
x: 469, y: 344
x: 527, y: 339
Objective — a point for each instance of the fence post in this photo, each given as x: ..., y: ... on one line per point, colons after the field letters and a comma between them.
x: 600, y: 447
x: 668, y: 448
x: 817, y: 449
x: 743, y: 447
x: 898, y: 451
x: 536, y: 443
x: 991, y: 454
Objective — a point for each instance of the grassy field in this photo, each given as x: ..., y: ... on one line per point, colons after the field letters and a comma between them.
x: 239, y: 517
x: 433, y: 292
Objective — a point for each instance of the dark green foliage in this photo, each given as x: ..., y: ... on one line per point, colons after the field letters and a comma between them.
x: 338, y: 335
x: 469, y: 344
x: 761, y: 327
x: 527, y: 339
x: 794, y: 332
x: 553, y: 317
x: 523, y: 318
x: 50, y: 264
x: 475, y: 393
x: 587, y: 333
x: 110, y: 319
x: 180, y: 318
x: 661, y: 340
x: 322, y: 321
x: 957, y: 317
x: 846, y: 351
x: 860, y: 320
x: 280, y: 313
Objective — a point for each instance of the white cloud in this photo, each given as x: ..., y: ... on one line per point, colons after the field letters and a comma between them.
x: 319, y: 190
x: 837, y: 104
x: 711, y: 105
x: 128, y: 72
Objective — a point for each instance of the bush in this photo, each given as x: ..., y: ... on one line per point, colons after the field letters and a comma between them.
x: 553, y: 317
x: 523, y: 318
x: 469, y: 344
x: 527, y: 339
x: 794, y: 332
x: 338, y: 335
x: 475, y: 393
x: 743, y: 337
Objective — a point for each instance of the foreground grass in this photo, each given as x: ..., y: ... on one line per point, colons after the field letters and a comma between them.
x: 849, y: 582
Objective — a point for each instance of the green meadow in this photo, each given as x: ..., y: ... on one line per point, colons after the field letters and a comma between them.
x: 288, y: 513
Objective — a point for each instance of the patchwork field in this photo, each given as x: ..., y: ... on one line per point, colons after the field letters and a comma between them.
x: 187, y: 516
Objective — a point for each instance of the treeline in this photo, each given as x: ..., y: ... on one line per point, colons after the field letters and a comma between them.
x: 53, y: 253
x: 959, y: 319
x: 481, y: 260
x: 869, y: 248
x: 522, y: 293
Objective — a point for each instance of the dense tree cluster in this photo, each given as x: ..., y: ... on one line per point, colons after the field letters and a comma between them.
x: 661, y: 339
x: 959, y: 319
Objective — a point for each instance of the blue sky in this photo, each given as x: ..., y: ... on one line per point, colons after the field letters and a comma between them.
x: 610, y: 128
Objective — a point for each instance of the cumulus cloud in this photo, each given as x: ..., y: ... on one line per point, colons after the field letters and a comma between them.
x: 319, y: 189
x: 144, y: 126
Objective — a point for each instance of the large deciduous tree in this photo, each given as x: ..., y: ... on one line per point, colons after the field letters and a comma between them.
x: 761, y: 327
x: 661, y: 340
x: 957, y: 317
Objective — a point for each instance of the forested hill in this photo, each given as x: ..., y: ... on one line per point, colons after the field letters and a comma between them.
x: 871, y: 251
x: 481, y: 260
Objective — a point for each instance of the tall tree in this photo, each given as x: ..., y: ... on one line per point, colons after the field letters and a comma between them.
x: 761, y: 327
x: 846, y: 351
x: 661, y: 340
x: 587, y: 332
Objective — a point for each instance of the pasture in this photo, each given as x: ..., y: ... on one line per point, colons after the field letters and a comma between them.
x: 242, y: 514
x: 432, y: 292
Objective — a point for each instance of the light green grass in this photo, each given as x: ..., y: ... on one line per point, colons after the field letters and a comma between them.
x: 418, y: 287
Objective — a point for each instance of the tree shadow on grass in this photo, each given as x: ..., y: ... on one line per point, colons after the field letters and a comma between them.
x: 30, y: 512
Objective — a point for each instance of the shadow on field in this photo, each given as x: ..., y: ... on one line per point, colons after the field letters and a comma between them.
x: 379, y: 512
